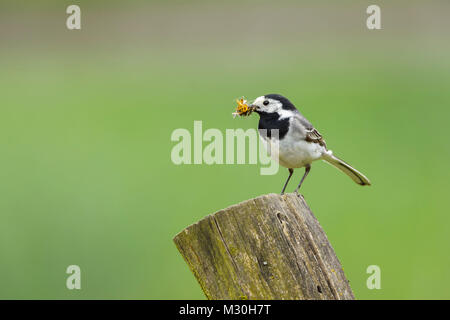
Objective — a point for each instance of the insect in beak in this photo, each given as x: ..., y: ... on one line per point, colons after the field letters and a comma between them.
x: 243, y: 109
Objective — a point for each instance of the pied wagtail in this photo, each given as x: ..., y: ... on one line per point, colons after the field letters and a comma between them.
x: 299, y: 142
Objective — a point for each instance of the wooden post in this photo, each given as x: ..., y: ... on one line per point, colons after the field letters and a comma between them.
x: 270, y: 247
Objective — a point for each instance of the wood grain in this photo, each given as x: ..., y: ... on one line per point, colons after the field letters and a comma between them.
x: 270, y: 247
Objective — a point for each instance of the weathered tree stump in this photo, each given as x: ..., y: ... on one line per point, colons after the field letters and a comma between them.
x: 270, y: 247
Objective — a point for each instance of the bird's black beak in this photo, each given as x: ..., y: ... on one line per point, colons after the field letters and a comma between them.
x: 253, y: 107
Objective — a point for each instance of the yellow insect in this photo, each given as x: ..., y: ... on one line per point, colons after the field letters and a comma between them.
x: 242, y: 108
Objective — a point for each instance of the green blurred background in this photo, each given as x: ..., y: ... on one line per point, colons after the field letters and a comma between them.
x: 86, y: 118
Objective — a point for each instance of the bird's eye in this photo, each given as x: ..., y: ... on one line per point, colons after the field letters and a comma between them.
x: 266, y: 102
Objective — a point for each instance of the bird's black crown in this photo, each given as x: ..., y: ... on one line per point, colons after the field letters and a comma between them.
x: 286, y: 104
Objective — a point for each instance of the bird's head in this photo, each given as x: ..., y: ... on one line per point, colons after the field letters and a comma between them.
x: 271, y: 103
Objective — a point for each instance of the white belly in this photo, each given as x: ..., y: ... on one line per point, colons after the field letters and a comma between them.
x: 296, y: 154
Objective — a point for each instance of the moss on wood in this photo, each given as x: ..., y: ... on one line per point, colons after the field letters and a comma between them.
x: 270, y: 247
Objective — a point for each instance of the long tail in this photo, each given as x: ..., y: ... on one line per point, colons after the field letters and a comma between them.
x: 356, y: 176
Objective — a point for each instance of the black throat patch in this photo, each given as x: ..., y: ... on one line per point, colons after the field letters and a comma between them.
x: 271, y: 121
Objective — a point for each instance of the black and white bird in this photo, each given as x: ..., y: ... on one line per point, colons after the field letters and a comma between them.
x: 299, y: 143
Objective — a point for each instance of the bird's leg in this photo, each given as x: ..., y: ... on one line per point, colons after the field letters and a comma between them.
x: 307, y: 168
x: 291, y: 171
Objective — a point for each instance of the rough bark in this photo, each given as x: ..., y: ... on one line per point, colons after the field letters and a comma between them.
x: 270, y: 247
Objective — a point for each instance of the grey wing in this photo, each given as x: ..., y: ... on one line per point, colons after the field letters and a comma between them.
x: 310, y: 133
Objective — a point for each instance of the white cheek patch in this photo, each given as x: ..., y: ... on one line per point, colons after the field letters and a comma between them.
x: 259, y: 101
x: 272, y: 107
x: 285, y: 113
